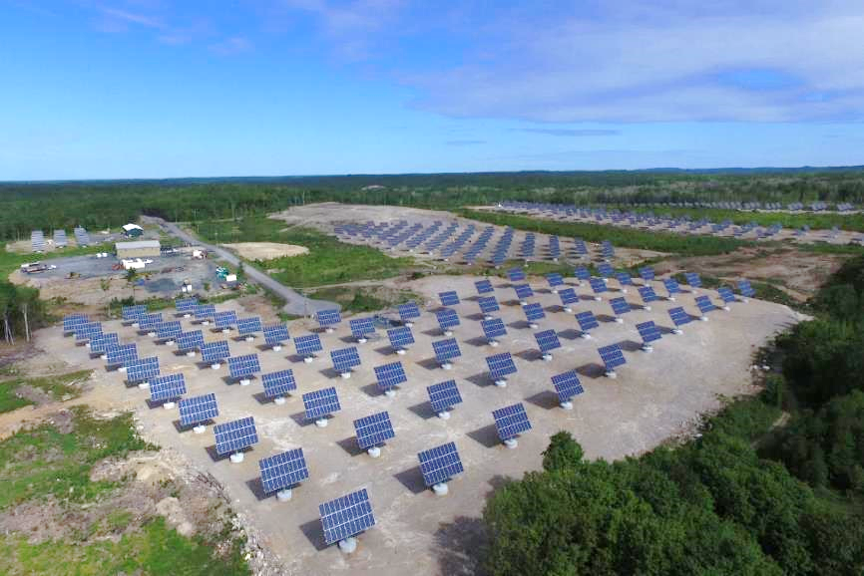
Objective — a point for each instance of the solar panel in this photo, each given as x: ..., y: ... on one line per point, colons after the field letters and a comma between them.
x: 488, y: 304
x: 362, y: 327
x: 746, y: 289
x: 582, y: 273
x: 648, y: 331
x: 276, y: 334
x: 598, y: 285
x: 321, y: 403
x: 554, y: 279
x: 547, y: 340
x: 587, y: 321
x: 142, y: 370
x: 647, y: 273
x: 511, y: 421
x: 516, y: 275
x: 246, y: 326
x: 679, y: 317
x: 612, y: 357
x: 447, y: 319
x: 346, y: 516
x: 534, y: 312
x: 440, y: 464
x: 149, y: 321
x: 72, y: 321
x: 308, y: 344
x: 168, y: 330
x: 493, y: 328
x: 568, y: 296
x: 214, y: 352
x: 278, y: 384
x: 567, y: 385
x: 693, y: 279
x: 408, y: 311
x: 187, y: 341
x: 198, y: 409
x: 704, y: 304
x: 484, y: 286
x: 283, y: 470
x: 225, y: 319
x: 400, y: 337
x: 619, y: 306
x: 390, y: 375
x: 204, y: 311
x: 647, y: 294
x: 446, y: 349
x: 672, y: 287
x: 500, y: 365
x: 243, y: 366
x: 122, y: 354
x: 605, y: 270
x: 726, y: 294
x: 373, y: 430
x: 132, y: 313
x: 523, y: 291
x: 185, y: 305
x: 345, y: 359
x: 327, y: 318
x: 235, y: 436
x: 444, y: 396
x: 450, y: 298
x: 99, y: 343
x: 86, y: 331
x: 624, y: 279
x: 167, y: 388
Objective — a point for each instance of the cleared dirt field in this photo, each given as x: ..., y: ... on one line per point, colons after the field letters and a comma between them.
x: 266, y: 250
x: 656, y: 396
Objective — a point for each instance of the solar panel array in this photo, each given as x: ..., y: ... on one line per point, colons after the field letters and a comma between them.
x: 204, y: 311
x: 243, y: 366
x: 446, y: 349
x: 308, y: 344
x: 235, y: 436
x: 198, y: 410
x: 533, y: 312
x: 133, y: 313
x: 511, y: 421
x: 362, y: 327
x: 390, y: 375
x: 278, y: 384
x: 185, y: 305
x: 523, y: 291
x: 450, y: 298
x: 373, y: 430
x: 440, y: 464
x: 408, y: 311
x: 82, y: 238
x: 142, y: 370
x: 447, y: 318
x: 214, y: 352
x: 493, y: 328
x: 283, y: 470
x: 488, y: 304
x: 328, y: 318
x: 547, y: 340
x: 400, y: 337
x: 37, y: 240
x: 444, y: 396
x: 346, y: 516
x: 321, y: 403
x: 587, y: 321
x: 73, y: 321
x: 746, y: 289
x: 247, y: 326
x: 167, y: 388
x: 87, y: 330
x: 648, y: 331
x: 121, y: 355
x: 225, y: 319
x: 704, y: 304
x: 190, y: 341
x: 612, y: 356
x: 484, y: 287
x: 726, y: 294
x: 501, y: 365
x: 276, y: 334
x: 168, y: 330
x: 567, y: 385
x: 345, y: 359
x: 100, y: 343
x: 516, y: 275
x: 619, y: 306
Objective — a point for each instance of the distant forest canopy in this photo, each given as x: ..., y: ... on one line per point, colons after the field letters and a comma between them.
x: 96, y: 205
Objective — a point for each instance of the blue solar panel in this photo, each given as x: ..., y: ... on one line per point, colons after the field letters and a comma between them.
x: 647, y: 273
x: 444, y: 396
x: 307, y: 345
x: 648, y: 331
x: 554, y: 279
x: 362, y: 327
x: 516, y: 275
x: 586, y: 321
x: 168, y: 330
x: 568, y: 296
x: 598, y: 285
x: 671, y: 286
x: 278, y: 384
x: 533, y: 312
x: 276, y: 334
x: 72, y: 321
x: 243, y: 366
x: 493, y: 328
x: 235, y: 436
x: 328, y: 318
x: 523, y: 291
x: 390, y: 375
x: 122, y: 354
x: 511, y: 421
x: 450, y: 298
x: 547, y: 340
x: 624, y: 279
x: 679, y: 316
x: 500, y: 365
x: 198, y: 409
x: 167, y: 388
x: 321, y: 403
x: 647, y: 293
x: 447, y: 318
x: 283, y: 470
x: 408, y: 311
x: 704, y: 303
x: 345, y: 359
x: 567, y: 385
x: 214, y: 352
x: 86, y: 331
x: 149, y: 321
x: 225, y: 319
x: 204, y: 311
x: 488, y: 304
x: 619, y: 306
x: 400, y: 337
x: 746, y: 289
x: 612, y: 356
x: 101, y: 342
x: 605, y: 270
x: 132, y: 313
x: 693, y: 279
x: 726, y: 294
x: 446, y: 349
x: 142, y: 370
x: 373, y: 430
x: 582, y: 273
x: 440, y: 464
x: 190, y: 340
x: 484, y: 286
x: 185, y: 305
x: 247, y: 326
x: 346, y: 516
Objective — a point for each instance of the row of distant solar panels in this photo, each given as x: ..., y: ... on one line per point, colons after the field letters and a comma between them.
x: 37, y: 239
x: 727, y: 205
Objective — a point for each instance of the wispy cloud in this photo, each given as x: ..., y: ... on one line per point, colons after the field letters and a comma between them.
x: 127, y: 17
x: 569, y: 132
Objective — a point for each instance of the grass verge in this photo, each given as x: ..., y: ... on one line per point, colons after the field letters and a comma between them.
x: 58, y: 387
x: 363, y: 298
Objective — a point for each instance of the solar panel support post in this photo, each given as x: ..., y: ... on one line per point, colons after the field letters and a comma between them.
x: 250, y: 338
x: 726, y: 308
x: 585, y: 335
x: 487, y: 317
x: 143, y: 385
x: 362, y: 340
x: 215, y: 365
x: 619, y: 320
x: 446, y: 365
x: 199, y: 429
x: 511, y: 443
x: 400, y: 351
x: 348, y: 545
x: 444, y: 415
x: 321, y: 422
x: 279, y: 400
x: 597, y: 298
x: 647, y: 348
x: 567, y: 405
x: 190, y: 353
x: 169, y: 405
x: 523, y: 302
x: 169, y: 342
x: 610, y: 374
x: 236, y: 457
x: 374, y: 452
x: 447, y: 332
x: 440, y: 489
x: 703, y: 318
x: 567, y: 309
x: 345, y: 375
x: 546, y: 356
x: 501, y: 382
x: 646, y: 307
x: 677, y: 331
x: 245, y: 382
x: 533, y: 325
x: 276, y: 347
x: 284, y: 495
x: 308, y: 359
x: 670, y: 298
x: 151, y: 334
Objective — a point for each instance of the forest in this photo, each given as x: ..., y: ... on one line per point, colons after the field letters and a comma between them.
x: 749, y: 495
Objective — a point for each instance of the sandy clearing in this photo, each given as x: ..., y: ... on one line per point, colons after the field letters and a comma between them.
x: 266, y: 250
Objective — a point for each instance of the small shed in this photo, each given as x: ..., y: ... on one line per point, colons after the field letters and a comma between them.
x: 132, y: 231
x: 138, y: 249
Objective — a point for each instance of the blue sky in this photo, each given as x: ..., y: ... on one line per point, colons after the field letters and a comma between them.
x: 164, y: 88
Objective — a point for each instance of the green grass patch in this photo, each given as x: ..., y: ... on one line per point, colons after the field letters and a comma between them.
x: 621, y: 237
x: 155, y: 550
x: 57, y: 386
x: 328, y: 261
x: 363, y: 299
x: 47, y: 460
